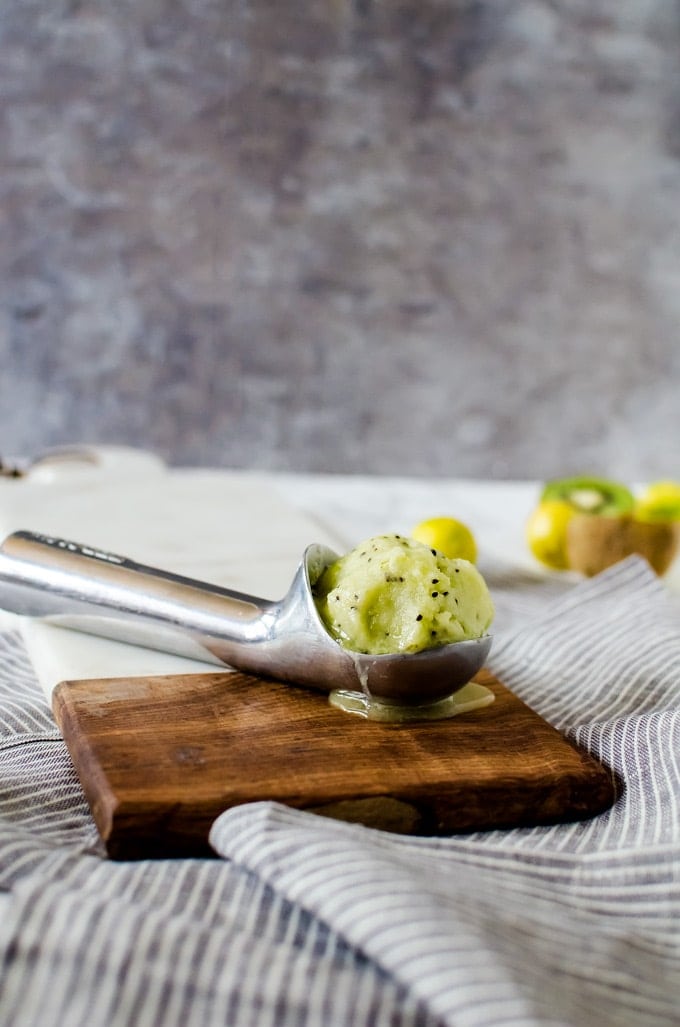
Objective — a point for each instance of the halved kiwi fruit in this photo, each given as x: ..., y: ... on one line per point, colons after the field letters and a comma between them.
x: 587, y: 495
x: 607, y: 524
x: 594, y: 543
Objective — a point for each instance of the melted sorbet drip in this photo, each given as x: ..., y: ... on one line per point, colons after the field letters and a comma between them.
x: 472, y: 696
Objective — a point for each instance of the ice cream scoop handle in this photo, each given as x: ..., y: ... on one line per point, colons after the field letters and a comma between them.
x: 96, y: 591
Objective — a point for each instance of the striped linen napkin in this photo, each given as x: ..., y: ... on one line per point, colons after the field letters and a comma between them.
x: 307, y: 921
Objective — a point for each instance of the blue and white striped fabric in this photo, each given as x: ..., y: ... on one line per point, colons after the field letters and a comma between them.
x: 307, y: 921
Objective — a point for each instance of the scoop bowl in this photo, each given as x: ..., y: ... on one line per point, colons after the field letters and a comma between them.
x: 87, y: 589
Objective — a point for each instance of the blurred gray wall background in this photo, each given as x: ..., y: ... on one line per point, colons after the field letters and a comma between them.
x: 418, y: 236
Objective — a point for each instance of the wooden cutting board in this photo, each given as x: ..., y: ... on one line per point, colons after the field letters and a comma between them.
x: 160, y: 757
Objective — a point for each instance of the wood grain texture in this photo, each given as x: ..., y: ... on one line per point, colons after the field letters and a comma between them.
x: 160, y: 757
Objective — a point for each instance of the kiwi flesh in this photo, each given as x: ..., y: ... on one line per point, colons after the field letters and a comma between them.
x: 587, y: 495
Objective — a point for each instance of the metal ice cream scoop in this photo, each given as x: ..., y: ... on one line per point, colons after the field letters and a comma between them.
x: 87, y: 589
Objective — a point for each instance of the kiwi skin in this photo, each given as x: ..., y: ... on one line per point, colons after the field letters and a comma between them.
x: 594, y: 543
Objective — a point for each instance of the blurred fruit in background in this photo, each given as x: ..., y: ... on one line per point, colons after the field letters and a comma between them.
x: 547, y: 533
x: 586, y: 524
x: 659, y: 501
x: 449, y: 536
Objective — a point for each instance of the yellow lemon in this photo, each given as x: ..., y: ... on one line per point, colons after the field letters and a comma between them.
x: 660, y: 501
x: 450, y: 537
x: 546, y: 532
